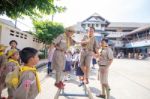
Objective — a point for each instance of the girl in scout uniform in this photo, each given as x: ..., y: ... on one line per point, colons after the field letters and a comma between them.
x: 13, y: 56
x: 29, y: 85
x: 3, y: 61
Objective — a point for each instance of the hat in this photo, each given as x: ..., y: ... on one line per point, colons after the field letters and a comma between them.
x: 12, y: 52
x: 69, y: 29
x: 2, y: 47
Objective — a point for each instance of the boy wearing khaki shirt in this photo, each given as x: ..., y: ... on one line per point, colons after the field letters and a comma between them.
x: 29, y: 85
x: 89, y: 48
x: 104, y: 62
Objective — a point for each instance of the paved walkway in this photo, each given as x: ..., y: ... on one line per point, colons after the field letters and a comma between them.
x: 129, y: 79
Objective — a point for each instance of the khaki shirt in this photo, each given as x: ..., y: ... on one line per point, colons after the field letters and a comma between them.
x: 105, y: 55
x: 92, y: 45
x: 27, y: 88
x: 62, y: 42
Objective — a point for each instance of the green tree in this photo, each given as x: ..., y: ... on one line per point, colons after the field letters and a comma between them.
x: 32, y: 8
x: 46, y: 31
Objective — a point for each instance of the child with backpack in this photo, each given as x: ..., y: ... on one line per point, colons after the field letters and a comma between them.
x: 13, y: 56
x: 28, y: 85
x: 3, y: 61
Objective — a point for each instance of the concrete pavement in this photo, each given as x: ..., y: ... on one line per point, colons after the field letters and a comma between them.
x: 129, y: 79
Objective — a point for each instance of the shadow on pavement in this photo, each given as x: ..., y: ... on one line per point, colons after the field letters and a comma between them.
x: 96, y: 91
x: 73, y: 81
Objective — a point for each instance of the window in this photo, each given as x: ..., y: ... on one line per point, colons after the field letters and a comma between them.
x: 83, y: 25
x: 11, y: 32
x: 88, y: 25
x: 109, y: 30
x: 97, y: 25
x: 17, y: 34
x: 92, y: 25
x: 25, y: 36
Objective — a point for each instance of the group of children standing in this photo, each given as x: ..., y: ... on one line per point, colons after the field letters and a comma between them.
x: 18, y: 73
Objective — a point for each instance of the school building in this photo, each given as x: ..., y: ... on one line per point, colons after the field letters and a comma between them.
x: 9, y: 32
x: 129, y: 37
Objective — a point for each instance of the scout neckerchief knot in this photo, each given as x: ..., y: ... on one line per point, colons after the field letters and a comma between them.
x: 1, y: 53
x: 67, y: 40
x: 16, y: 62
x: 25, y: 68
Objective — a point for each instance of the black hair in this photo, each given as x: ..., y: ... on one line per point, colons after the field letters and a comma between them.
x: 92, y: 27
x: 12, y: 42
x: 105, y: 39
x: 27, y: 53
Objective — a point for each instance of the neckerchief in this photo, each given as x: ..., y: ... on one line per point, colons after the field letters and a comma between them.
x: 14, y: 61
x: 26, y: 68
x: 67, y: 40
x: 1, y: 53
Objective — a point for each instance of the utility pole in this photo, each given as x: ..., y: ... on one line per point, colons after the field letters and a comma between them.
x: 15, y: 23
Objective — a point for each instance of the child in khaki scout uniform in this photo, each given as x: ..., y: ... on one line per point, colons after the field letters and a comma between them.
x: 104, y: 62
x: 3, y: 61
x: 29, y: 85
x: 13, y: 56
x: 62, y: 43
x: 89, y: 48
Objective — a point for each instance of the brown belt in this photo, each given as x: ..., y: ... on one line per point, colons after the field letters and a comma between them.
x: 102, y: 65
x: 87, y: 49
x: 60, y: 50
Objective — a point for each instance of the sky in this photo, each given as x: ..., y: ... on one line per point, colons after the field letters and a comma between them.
x: 111, y: 10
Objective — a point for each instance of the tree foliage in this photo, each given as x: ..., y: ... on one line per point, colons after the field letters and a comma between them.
x: 46, y: 31
x: 32, y: 8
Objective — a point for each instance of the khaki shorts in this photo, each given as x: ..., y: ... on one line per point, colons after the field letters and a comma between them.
x: 103, y: 76
x: 58, y: 61
x: 85, y: 58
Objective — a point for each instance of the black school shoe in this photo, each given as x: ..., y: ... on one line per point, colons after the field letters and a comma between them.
x: 100, y: 96
x: 81, y: 84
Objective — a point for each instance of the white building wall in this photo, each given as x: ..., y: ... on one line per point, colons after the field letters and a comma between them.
x: 6, y: 38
